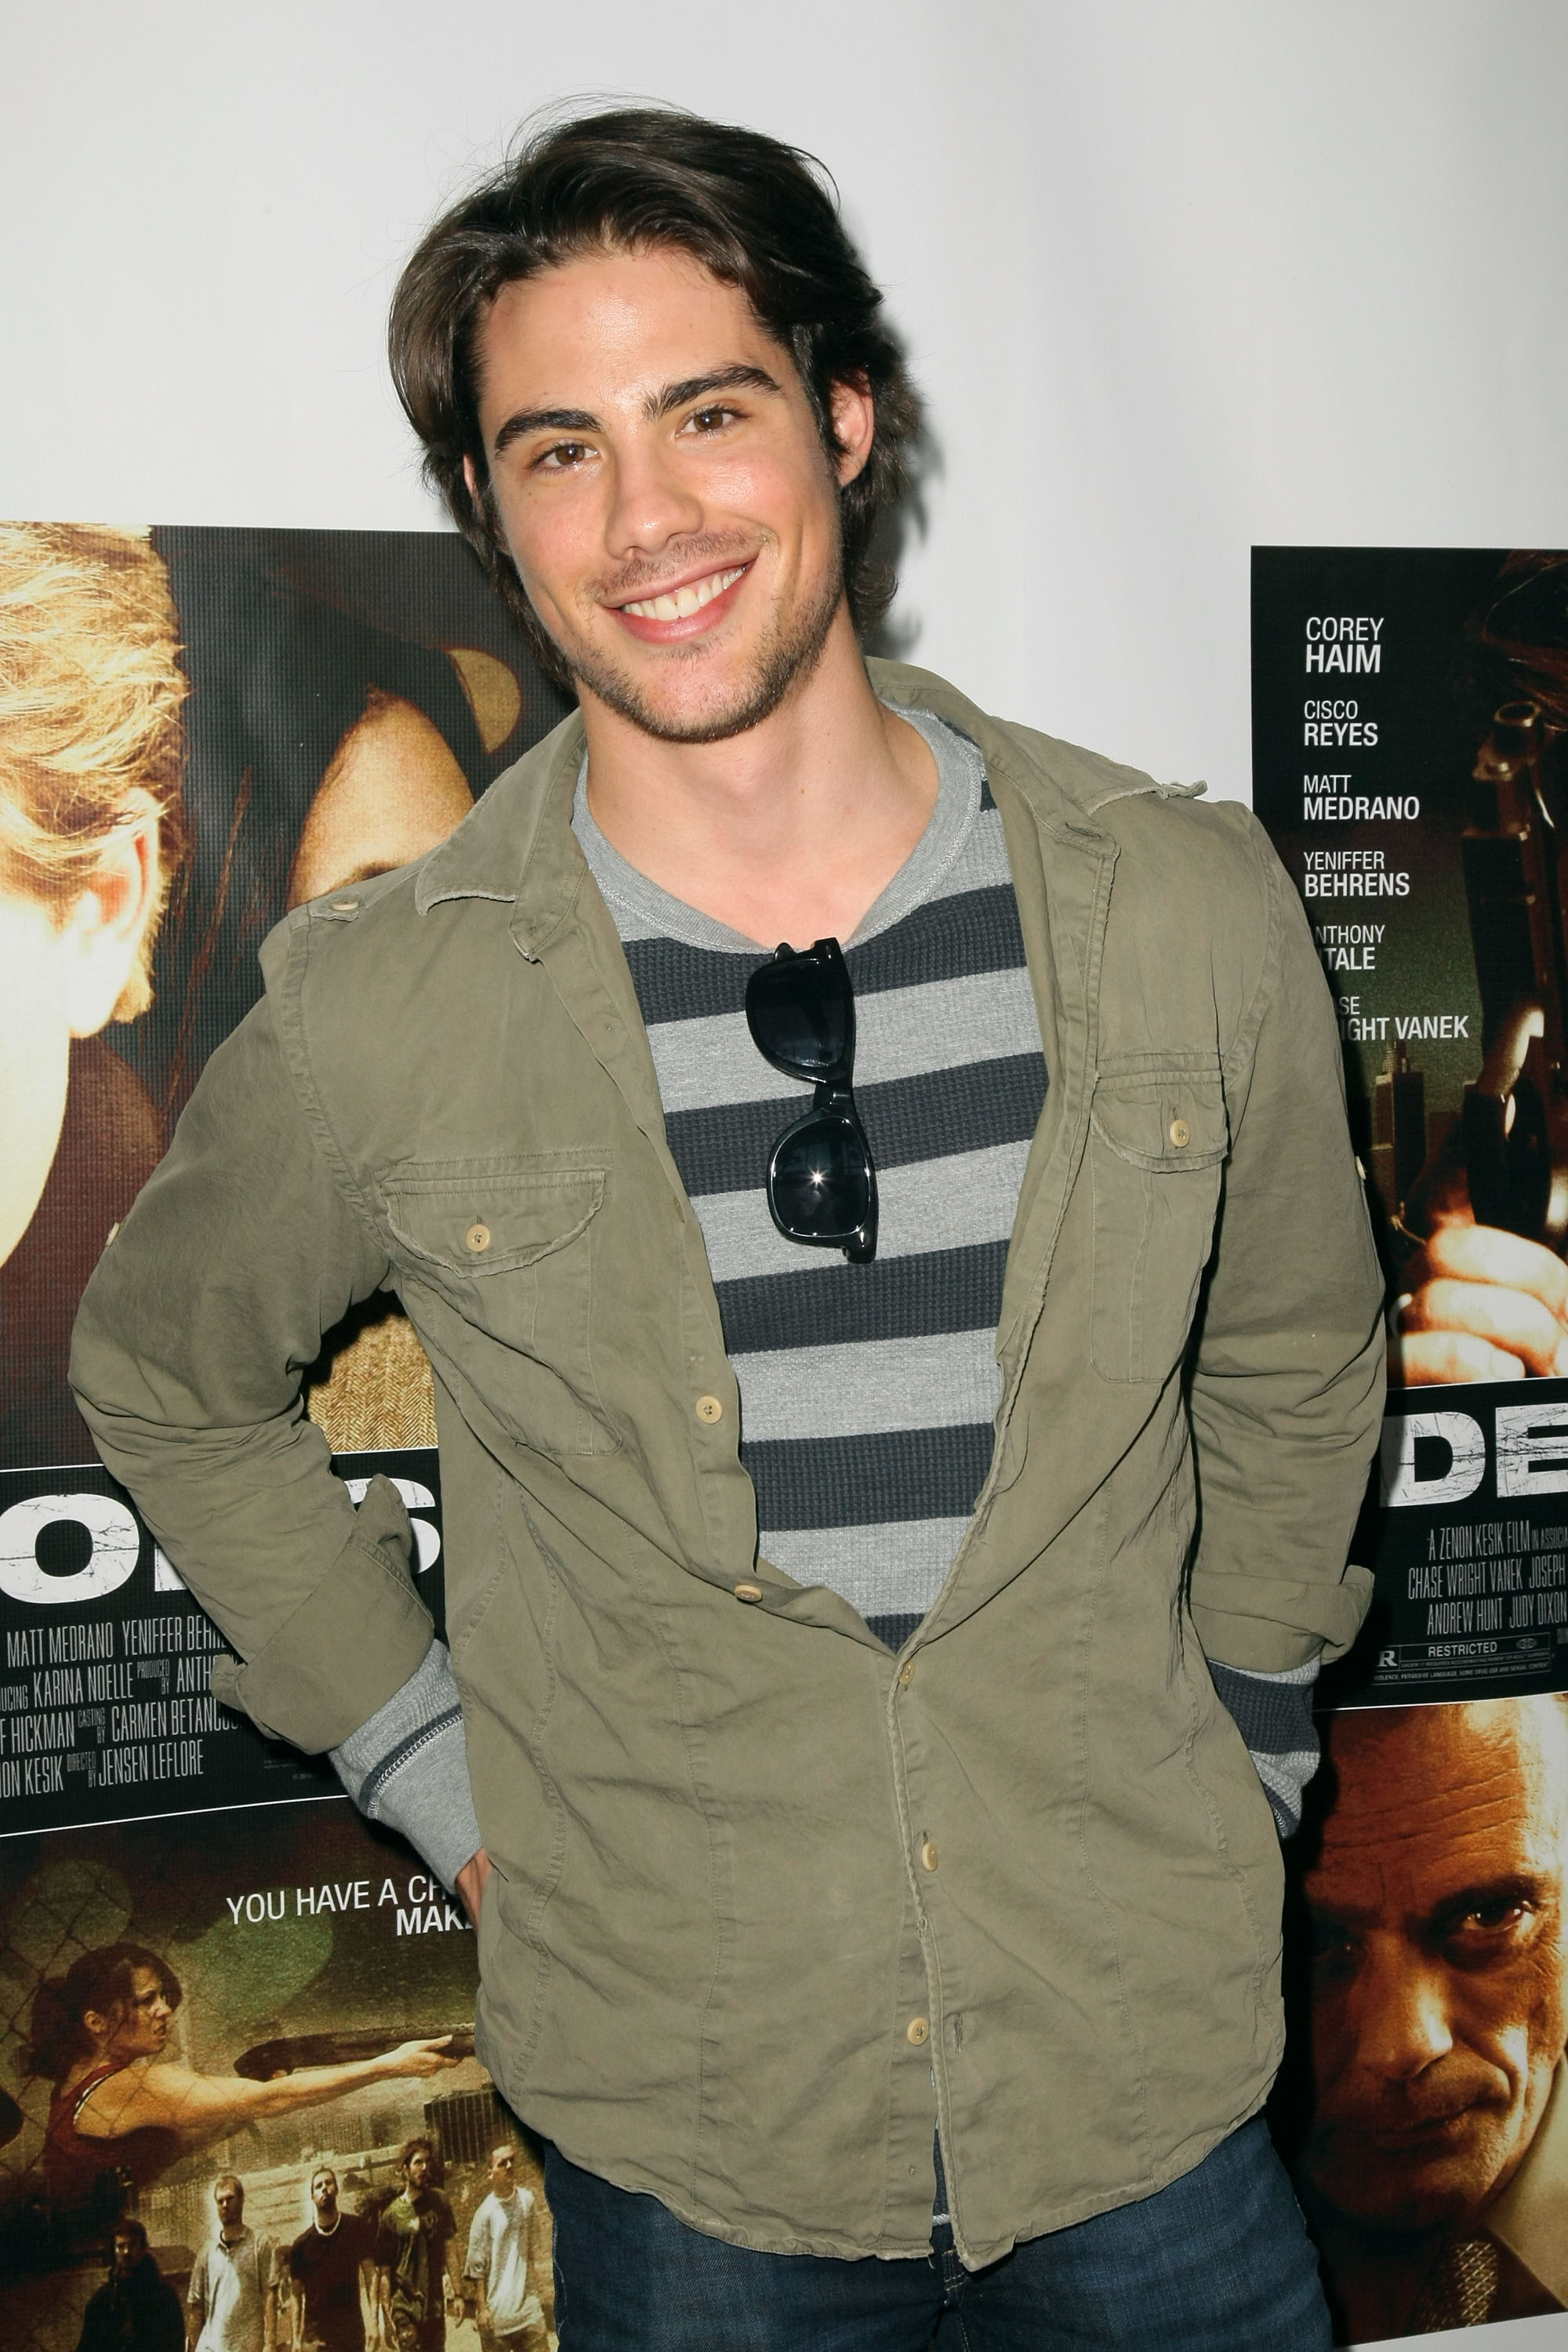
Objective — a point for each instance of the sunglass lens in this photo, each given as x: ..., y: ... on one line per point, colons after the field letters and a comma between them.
x: 822, y: 1178
x: 801, y: 1012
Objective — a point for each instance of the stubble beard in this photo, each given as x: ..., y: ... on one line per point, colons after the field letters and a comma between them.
x: 788, y: 656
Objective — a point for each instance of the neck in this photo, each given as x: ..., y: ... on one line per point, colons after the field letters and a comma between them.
x: 789, y: 831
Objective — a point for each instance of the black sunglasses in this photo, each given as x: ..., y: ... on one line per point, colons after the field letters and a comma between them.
x: 822, y: 1183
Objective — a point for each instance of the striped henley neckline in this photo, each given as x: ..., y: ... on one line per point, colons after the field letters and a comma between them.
x: 868, y: 1393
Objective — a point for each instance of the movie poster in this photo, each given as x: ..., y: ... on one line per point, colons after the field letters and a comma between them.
x: 198, y: 730
x: 1410, y: 723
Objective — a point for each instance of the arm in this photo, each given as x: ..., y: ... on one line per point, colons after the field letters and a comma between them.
x: 1288, y: 1376
x: 196, y: 2300
x: 408, y: 1766
x: 203, y: 2107
x: 476, y: 2268
x: 451, y: 2258
x: 240, y: 1252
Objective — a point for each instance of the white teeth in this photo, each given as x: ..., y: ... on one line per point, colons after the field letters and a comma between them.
x: 686, y: 601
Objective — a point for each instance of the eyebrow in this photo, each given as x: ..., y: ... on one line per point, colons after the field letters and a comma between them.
x: 737, y: 378
x: 1530, y: 1887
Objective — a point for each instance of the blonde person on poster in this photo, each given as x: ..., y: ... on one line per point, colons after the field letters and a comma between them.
x: 866, y: 1774
x: 499, y: 2261
x: 122, y: 2111
x: 232, y: 2300
x: 1436, y: 2163
x: 91, y: 831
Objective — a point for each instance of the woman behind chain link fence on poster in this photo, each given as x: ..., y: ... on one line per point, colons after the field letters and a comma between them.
x: 124, y: 2109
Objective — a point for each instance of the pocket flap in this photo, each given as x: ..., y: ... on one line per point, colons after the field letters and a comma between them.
x: 491, y: 1220
x: 1167, y: 1120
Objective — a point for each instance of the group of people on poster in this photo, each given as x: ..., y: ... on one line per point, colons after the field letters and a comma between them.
x: 387, y: 2274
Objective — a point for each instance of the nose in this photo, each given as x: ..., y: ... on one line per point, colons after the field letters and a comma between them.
x: 651, y: 502
x: 1399, y: 2013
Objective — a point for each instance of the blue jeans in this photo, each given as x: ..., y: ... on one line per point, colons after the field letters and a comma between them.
x: 1219, y: 2261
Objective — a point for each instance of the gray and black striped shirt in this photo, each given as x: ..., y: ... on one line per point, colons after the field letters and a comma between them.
x: 867, y: 1393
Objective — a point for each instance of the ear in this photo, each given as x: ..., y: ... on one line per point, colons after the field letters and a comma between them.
x: 476, y: 488
x: 854, y: 414
x: 106, y: 926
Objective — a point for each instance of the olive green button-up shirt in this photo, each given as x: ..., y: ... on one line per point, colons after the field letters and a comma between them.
x: 759, y: 1885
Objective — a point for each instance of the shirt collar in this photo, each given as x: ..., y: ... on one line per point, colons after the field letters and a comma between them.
x: 517, y: 845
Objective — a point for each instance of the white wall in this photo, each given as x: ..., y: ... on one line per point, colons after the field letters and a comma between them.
x: 1178, y: 275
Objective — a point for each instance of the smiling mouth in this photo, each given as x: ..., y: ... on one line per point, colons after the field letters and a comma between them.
x: 680, y: 603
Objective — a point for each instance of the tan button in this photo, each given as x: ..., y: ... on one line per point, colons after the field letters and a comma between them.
x: 710, y: 1410
x: 478, y: 1239
x: 928, y: 1855
x: 345, y: 906
x: 748, y: 1591
x: 918, y: 2029
x: 906, y: 1674
x: 1181, y: 1134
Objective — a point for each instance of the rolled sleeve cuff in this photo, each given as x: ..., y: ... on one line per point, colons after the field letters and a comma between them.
x: 1270, y: 1624
x: 408, y: 1766
x: 1273, y: 1714
x: 346, y: 1649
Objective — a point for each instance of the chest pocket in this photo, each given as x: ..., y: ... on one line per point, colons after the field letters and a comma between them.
x: 1158, y: 1138
x: 502, y: 1255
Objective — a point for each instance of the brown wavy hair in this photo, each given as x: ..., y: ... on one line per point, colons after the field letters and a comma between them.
x: 90, y: 734
x: 756, y: 213
x: 104, y: 1980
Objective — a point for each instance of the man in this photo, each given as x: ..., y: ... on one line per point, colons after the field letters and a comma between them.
x: 1438, y: 2157
x: 509, y: 2313
x: 868, y: 1879
x: 136, y: 2309
x: 412, y: 2255
x: 327, y: 2263
x: 232, y: 2299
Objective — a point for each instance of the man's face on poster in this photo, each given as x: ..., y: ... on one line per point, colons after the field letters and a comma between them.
x: 1438, y: 2008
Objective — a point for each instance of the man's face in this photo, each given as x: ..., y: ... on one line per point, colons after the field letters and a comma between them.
x: 324, y: 2192
x: 416, y: 2171
x: 229, y: 2198
x: 503, y: 2171
x: 664, y: 489
x: 1438, y: 1999
x: 127, y: 2253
